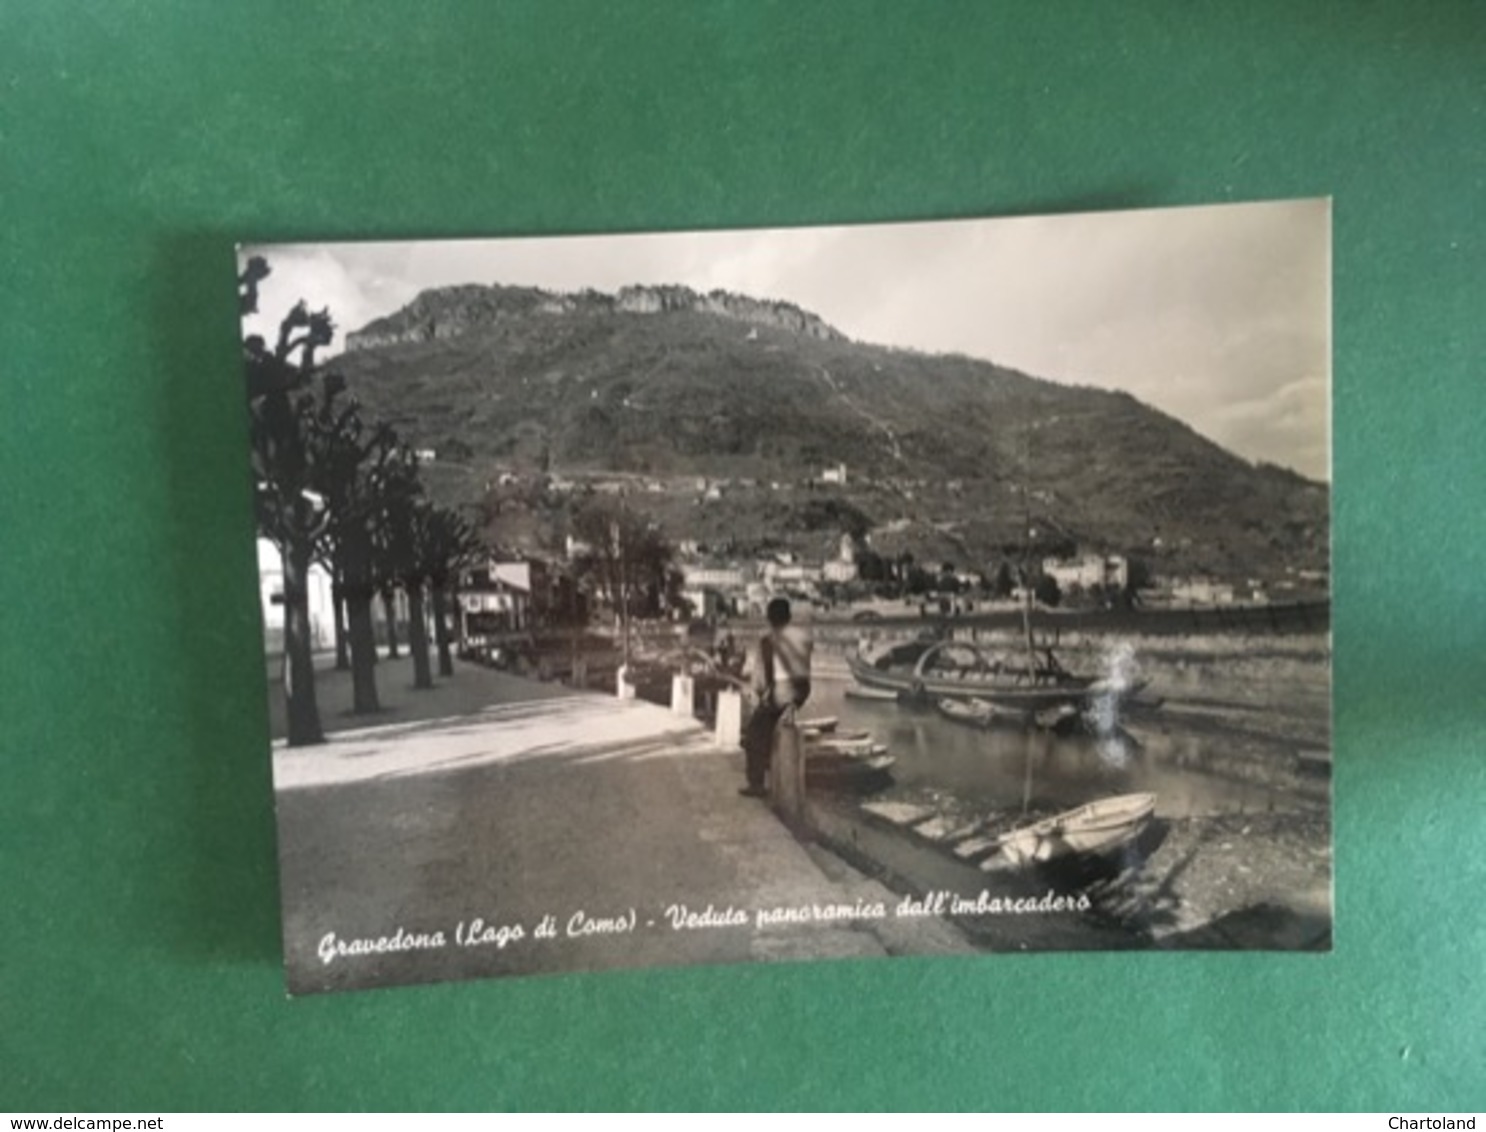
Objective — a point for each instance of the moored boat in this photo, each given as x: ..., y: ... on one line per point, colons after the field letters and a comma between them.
x: 834, y: 771
x: 822, y: 724
x: 976, y: 712
x: 958, y: 670
x: 1091, y: 830
x: 858, y: 748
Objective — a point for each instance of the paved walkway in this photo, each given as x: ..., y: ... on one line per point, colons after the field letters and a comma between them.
x: 595, y: 812
x: 470, y: 689
x: 578, y: 728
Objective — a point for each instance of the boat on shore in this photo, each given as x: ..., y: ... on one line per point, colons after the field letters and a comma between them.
x: 1095, y: 829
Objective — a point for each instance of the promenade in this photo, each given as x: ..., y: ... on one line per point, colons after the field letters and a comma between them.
x: 609, y: 820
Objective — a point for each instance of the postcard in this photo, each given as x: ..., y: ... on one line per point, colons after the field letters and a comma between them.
x: 935, y: 588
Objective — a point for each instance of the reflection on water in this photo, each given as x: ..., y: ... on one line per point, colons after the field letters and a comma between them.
x: 1007, y: 767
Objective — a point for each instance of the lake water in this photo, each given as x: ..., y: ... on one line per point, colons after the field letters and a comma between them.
x: 1007, y: 767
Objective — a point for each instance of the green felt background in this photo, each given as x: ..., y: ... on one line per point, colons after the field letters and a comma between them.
x: 139, y: 958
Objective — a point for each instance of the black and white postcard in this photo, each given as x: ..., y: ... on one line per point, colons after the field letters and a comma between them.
x: 946, y: 588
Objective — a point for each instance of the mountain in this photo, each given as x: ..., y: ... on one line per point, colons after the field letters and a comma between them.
x: 944, y: 456
x: 450, y: 311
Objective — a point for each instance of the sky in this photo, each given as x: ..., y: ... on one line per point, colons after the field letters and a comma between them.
x: 1219, y: 316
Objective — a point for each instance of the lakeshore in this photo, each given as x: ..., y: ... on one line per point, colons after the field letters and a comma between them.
x: 495, y: 801
x: 1238, y: 755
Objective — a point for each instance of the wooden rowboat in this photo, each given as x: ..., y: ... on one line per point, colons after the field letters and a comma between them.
x: 976, y: 712
x: 1094, y: 829
x: 834, y: 771
x: 881, y: 695
x: 865, y: 747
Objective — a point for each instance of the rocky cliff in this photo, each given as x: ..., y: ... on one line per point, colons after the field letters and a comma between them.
x: 447, y: 312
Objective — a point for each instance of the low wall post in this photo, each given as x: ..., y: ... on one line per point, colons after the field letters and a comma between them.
x: 729, y: 729
x: 683, y: 695
x: 787, y: 771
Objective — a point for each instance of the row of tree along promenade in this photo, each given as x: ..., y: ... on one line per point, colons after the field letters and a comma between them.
x: 335, y: 488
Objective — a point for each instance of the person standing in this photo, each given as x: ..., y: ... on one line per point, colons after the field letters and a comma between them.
x: 779, y: 673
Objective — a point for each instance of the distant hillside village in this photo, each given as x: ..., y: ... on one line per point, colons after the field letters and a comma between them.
x: 511, y: 592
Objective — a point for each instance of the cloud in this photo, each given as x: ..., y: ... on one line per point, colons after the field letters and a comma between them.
x: 1280, y: 427
x: 317, y: 275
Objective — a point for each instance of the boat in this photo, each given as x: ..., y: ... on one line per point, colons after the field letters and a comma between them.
x: 975, y: 712
x: 857, y: 748
x: 1091, y: 830
x: 1064, y: 719
x: 832, y: 771
x: 845, y: 760
x: 959, y: 670
x: 822, y: 724
x: 845, y: 735
x: 857, y: 692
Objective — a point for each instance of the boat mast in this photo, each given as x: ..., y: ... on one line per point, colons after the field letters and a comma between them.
x: 1027, y: 535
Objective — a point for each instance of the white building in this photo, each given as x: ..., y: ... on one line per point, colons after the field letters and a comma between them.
x: 1201, y: 591
x: 779, y: 576
x: 836, y: 475
x: 838, y: 571
x: 713, y: 577
x: 1088, y: 571
x: 842, y: 568
x: 271, y: 598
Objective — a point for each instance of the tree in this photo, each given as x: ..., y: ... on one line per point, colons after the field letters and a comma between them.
x: 1137, y: 577
x: 401, y: 538
x: 1047, y: 591
x: 387, y: 591
x: 326, y: 557
x: 355, y: 480
x: 451, y: 545
x: 870, y: 566
x: 423, y: 547
x: 1004, y: 583
x: 628, y: 561
x: 291, y: 509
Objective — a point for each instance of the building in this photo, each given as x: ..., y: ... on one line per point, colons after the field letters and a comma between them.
x: 712, y: 589
x: 1088, y: 571
x: 1201, y: 591
x: 501, y: 596
x: 842, y: 568
x: 703, y: 576
x: 271, y: 600
x: 836, y: 475
x: 837, y: 571
x: 794, y: 576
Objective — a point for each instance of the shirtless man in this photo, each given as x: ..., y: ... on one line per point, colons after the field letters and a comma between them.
x: 779, y: 671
